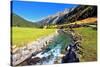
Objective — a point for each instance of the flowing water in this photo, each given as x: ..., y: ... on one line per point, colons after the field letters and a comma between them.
x: 51, y: 54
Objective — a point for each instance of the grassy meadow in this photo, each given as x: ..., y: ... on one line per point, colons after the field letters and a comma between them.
x: 89, y: 43
x: 22, y: 36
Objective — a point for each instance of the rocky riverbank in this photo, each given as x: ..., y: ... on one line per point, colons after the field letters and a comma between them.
x: 21, y: 54
x: 73, y: 50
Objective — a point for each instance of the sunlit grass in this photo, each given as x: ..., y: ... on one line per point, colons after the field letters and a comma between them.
x: 23, y: 36
x: 89, y: 43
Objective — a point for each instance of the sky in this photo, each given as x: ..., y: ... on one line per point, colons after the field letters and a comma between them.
x: 35, y: 11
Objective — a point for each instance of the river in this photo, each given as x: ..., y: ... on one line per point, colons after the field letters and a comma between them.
x: 52, y: 54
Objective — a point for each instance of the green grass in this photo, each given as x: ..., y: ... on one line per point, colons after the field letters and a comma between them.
x: 23, y: 36
x: 89, y: 43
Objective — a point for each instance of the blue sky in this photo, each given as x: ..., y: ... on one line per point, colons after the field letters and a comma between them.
x: 35, y: 11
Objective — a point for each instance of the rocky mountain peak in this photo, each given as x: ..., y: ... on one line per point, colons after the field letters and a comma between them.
x: 71, y: 15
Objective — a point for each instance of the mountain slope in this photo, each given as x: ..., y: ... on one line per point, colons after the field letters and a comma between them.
x: 54, y: 19
x: 20, y: 22
x: 71, y: 15
x: 81, y: 12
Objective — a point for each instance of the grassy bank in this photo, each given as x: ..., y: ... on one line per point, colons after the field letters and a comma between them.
x: 89, y: 43
x: 22, y: 36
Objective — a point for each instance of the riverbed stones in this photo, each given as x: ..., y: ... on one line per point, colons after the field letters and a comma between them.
x: 25, y: 52
x: 34, y: 60
x: 22, y: 53
x: 15, y: 50
x: 16, y: 57
x: 72, y: 49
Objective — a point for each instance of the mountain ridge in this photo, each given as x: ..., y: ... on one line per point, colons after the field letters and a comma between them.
x: 71, y: 15
x: 18, y: 21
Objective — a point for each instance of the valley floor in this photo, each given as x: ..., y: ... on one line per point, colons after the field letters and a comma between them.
x: 89, y: 40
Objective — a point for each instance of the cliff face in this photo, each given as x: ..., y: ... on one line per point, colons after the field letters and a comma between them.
x: 70, y: 15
